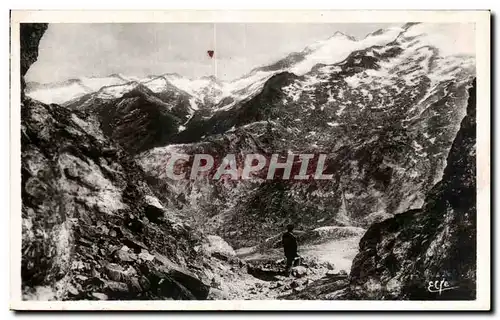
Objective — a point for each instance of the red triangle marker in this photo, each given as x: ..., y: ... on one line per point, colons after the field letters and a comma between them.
x: 210, y: 53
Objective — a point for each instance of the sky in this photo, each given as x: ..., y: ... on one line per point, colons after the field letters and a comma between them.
x: 139, y: 49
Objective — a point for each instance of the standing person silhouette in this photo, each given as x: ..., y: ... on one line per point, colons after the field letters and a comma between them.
x: 289, y: 242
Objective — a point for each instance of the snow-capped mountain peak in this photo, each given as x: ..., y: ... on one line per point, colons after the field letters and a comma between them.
x: 61, y: 92
x: 338, y: 47
x: 214, y: 93
x: 116, y: 91
x: 339, y: 34
x: 209, y: 89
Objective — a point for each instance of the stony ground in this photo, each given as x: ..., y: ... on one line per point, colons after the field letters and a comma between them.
x: 266, y: 279
x: 322, y: 272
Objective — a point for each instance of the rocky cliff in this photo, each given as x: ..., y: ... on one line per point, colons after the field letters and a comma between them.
x: 400, y: 256
x: 92, y: 228
x: 30, y: 36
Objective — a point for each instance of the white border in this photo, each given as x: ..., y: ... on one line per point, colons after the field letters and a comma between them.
x: 482, y: 22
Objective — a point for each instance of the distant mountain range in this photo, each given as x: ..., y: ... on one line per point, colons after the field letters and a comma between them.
x: 208, y: 88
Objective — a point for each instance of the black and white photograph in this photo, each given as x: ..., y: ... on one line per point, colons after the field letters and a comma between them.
x: 251, y: 160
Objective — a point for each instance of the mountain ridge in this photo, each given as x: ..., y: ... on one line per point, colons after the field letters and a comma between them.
x: 282, y: 66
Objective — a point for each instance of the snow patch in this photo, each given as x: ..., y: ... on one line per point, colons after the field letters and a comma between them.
x: 114, y: 92
x: 157, y: 85
x: 58, y: 95
x: 337, y: 48
x: 96, y: 83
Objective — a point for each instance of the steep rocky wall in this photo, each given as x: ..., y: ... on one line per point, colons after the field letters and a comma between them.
x: 91, y: 224
x: 401, y: 255
x: 30, y: 36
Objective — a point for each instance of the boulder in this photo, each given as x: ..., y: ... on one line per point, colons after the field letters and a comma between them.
x: 117, y: 273
x: 114, y: 271
x: 99, y: 296
x: 161, y: 284
x: 72, y: 290
x: 124, y: 256
x: 190, y: 282
x: 146, y: 256
x: 298, y: 272
x: 115, y: 286
x: 336, y: 295
x: 218, y: 248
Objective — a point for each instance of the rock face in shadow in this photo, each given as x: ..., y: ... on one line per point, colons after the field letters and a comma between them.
x: 401, y: 255
x: 30, y: 36
x: 140, y: 119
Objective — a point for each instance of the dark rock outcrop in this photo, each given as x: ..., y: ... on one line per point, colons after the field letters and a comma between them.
x: 400, y: 256
x: 30, y: 36
x: 139, y: 120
